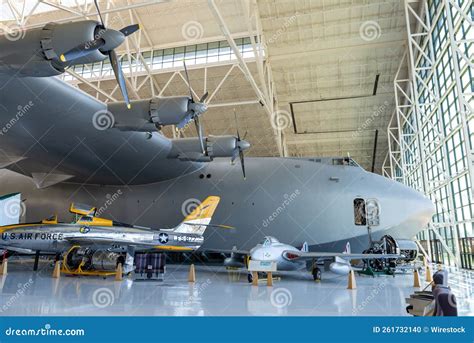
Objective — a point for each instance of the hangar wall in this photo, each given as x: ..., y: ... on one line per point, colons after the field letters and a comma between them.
x: 431, y: 131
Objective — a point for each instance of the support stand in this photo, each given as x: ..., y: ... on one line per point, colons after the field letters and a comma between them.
x: 254, y: 279
x: 37, y: 256
x: 269, y: 279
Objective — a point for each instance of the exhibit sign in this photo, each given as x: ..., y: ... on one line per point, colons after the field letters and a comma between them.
x: 262, y: 266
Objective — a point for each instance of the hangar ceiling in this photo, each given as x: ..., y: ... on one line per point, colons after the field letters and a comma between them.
x: 315, y: 77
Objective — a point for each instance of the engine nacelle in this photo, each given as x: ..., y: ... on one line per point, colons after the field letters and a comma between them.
x: 36, y: 53
x: 149, y: 115
x: 101, y: 260
x: 189, y: 149
x: 221, y: 146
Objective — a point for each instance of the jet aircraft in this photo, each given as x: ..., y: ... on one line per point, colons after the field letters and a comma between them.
x: 99, y: 239
x: 289, y: 258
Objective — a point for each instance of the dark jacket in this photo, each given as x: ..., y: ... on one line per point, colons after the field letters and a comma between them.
x: 445, y: 302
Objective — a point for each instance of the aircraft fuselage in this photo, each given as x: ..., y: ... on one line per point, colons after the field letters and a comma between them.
x: 295, y: 200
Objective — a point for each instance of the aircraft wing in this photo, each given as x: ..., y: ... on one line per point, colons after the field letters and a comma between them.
x: 228, y: 251
x: 97, y: 240
x: 300, y: 255
x: 74, y: 146
x: 16, y: 249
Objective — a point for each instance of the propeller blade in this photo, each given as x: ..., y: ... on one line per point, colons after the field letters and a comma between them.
x: 187, y: 80
x: 187, y: 118
x: 237, y: 126
x: 119, y: 76
x: 128, y: 30
x: 82, y: 50
x: 204, y: 97
x: 98, y: 12
x: 241, y: 155
x: 199, y: 132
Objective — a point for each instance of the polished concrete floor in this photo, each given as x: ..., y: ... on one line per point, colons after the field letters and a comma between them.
x: 215, y: 293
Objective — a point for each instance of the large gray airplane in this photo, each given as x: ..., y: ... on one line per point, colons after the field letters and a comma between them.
x: 60, y: 145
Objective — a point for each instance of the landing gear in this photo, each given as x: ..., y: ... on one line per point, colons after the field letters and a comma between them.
x: 316, y: 274
x: 249, y: 277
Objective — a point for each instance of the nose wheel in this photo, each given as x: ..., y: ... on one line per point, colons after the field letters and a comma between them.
x: 316, y: 274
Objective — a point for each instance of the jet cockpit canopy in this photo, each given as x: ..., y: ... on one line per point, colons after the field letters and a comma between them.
x: 269, y: 240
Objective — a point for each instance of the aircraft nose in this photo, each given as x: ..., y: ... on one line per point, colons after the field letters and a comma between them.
x: 420, y: 203
x: 414, y: 209
x: 256, y: 255
x: 260, y: 255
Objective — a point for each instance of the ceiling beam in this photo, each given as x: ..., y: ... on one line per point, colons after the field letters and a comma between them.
x: 85, y: 14
x: 265, y: 100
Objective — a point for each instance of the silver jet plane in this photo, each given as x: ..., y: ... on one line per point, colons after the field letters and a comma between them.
x: 289, y: 258
x: 99, y: 239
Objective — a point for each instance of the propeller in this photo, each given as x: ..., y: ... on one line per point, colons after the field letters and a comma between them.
x: 241, y: 146
x: 195, y: 109
x: 106, y: 41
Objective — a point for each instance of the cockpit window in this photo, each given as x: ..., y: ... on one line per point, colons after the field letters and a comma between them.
x: 269, y: 241
x: 360, y: 217
x: 344, y: 161
x: 366, y: 212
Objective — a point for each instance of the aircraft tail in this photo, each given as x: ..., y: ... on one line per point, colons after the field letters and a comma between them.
x: 348, y: 248
x: 305, y: 248
x: 198, y: 220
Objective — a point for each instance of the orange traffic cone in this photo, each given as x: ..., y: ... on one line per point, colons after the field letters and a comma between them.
x: 416, y: 278
x: 192, y: 274
x: 57, y: 270
x: 4, y: 267
x: 428, y: 277
x: 118, y: 272
x: 351, y: 281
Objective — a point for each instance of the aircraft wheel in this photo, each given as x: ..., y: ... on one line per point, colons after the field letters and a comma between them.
x: 316, y: 274
x: 249, y: 277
